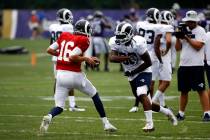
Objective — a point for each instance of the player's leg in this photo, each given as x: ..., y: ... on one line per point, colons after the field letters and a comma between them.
x: 184, y: 86
x: 160, y: 93
x: 164, y: 79
x: 204, y: 100
x: 106, y: 56
x: 72, y: 103
x: 60, y: 95
x: 85, y: 86
x: 198, y: 84
x: 140, y: 88
x: 166, y: 111
x: 143, y: 98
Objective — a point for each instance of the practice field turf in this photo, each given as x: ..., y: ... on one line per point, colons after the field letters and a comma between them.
x: 26, y: 95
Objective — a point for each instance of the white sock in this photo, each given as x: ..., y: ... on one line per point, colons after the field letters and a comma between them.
x: 104, y: 120
x: 50, y: 116
x: 164, y: 110
x: 162, y: 99
x: 156, y: 96
x: 181, y: 113
x: 148, y: 115
x: 72, y: 101
x: 208, y: 112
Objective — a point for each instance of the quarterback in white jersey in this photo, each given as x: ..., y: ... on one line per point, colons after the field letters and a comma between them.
x: 65, y: 18
x: 131, y: 52
x: 165, y: 69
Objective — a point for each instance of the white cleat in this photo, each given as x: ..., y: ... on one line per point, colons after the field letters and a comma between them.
x: 109, y: 127
x: 134, y: 109
x: 149, y: 127
x: 76, y: 109
x: 45, y: 124
x: 172, y: 118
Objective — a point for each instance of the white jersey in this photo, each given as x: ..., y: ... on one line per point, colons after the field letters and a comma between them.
x: 166, y: 29
x: 137, y: 48
x: 55, y: 31
x: 189, y: 56
x: 207, y: 48
x: 149, y: 31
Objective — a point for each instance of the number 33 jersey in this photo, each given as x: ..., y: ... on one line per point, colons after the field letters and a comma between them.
x: 137, y: 48
x: 67, y: 45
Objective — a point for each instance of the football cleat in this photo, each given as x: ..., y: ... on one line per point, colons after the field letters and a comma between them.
x: 172, y: 117
x: 76, y: 109
x: 45, y: 124
x: 206, y: 117
x: 149, y: 127
x: 134, y: 109
x: 109, y: 127
x: 179, y: 117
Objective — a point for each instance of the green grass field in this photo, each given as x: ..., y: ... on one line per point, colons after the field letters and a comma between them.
x: 24, y: 90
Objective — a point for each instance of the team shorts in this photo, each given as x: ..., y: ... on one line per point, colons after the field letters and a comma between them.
x: 142, y: 79
x: 191, y: 77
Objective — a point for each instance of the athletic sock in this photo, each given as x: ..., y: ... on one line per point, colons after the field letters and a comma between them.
x: 155, y: 98
x: 164, y: 110
x: 99, y: 105
x: 148, y: 115
x: 72, y: 101
x: 181, y: 113
x: 162, y: 99
x: 56, y: 111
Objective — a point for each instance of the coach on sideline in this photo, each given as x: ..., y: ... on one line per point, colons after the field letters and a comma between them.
x: 191, y: 67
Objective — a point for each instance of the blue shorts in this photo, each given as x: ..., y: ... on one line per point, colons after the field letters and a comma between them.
x: 142, y: 79
x: 191, y: 77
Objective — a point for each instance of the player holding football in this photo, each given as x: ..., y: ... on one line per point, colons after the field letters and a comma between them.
x: 69, y: 75
x: 65, y: 18
x: 131, y: 52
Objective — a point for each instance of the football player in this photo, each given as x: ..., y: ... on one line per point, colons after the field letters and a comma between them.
x: 70, y: 53
x: 150, y: 29
x: 65, y: 18
x: 131, y: 52
x: 99, y: 23
x: 165, y: 70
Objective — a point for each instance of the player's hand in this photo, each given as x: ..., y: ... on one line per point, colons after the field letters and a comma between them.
x: 93, y: 61
x: 128, y: 73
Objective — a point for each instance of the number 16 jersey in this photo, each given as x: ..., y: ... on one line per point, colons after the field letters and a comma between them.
x: 67, y: 45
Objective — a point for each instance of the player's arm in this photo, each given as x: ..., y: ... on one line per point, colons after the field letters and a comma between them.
x: 157, y: 47
x: 116, y: 58
x: 147, y: 63
x: 178, y: 44
x: 197, y: 45
x: 168, y: 42
x: 52, y: 49
x: 76, y: 56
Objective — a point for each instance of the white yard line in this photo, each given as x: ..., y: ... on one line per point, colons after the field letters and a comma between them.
x: 94, y: 118
x: 103, y: 135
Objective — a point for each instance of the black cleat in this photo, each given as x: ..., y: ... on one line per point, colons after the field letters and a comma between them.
x: 179, y: 117
x: 206, y: 117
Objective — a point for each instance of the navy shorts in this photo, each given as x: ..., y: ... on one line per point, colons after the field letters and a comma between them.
x: 191, y: 77
x: 142, y: 79
x: 207, y: 69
